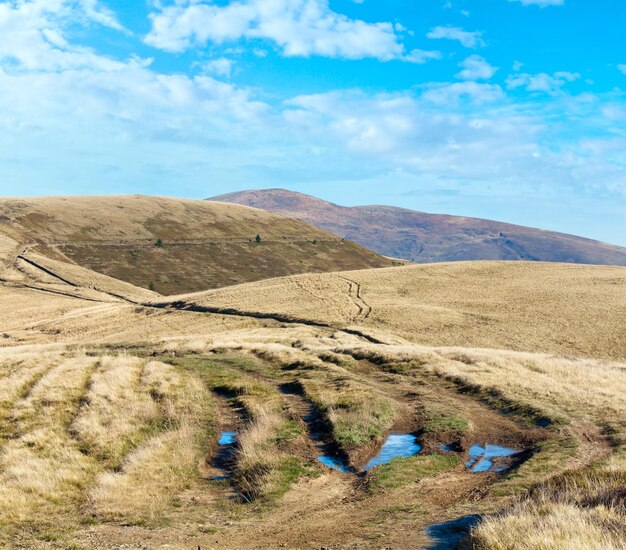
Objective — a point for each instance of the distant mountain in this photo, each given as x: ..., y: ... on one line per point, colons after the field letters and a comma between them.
x: 428, y: 238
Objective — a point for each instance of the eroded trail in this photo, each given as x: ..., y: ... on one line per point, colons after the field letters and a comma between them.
x: 320, y: 442
x: 359, y: 505
x: 220, y: 461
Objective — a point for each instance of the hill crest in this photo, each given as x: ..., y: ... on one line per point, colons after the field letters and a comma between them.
x: 430, y: 238
x: 172, y: 245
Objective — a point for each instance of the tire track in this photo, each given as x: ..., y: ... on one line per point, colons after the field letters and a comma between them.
x: 355, y: 292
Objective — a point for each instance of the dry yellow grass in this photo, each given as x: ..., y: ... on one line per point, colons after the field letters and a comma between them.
x: 555, y: 526
x: 129, y: 218
x: 69, y: 418
x: 40, y: 466
x: 106, y: 287
x: 155, y: 474
x: 117, y: 411
x: 583, y: 511
x: 32, y: 317
x: 569, y: 310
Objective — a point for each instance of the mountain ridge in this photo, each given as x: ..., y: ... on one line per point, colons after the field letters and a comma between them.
x: 430, y: 238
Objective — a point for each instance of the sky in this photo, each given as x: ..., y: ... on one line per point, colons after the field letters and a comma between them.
x: 513, y: 110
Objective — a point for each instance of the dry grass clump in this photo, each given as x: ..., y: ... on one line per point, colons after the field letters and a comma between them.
x: 152, y: 477
x: 41, y: 468
x: 405, y: 471
x: 18, y: 377
x: 264, y: 469
x: 286, y: 356
x: 585, y: 511
x: 117, y: 412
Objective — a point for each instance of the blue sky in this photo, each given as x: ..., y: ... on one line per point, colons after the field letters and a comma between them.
x: 505, y: 109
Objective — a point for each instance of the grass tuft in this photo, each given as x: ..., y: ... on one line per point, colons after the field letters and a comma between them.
x: 404, y: 471
x: 441, y: 423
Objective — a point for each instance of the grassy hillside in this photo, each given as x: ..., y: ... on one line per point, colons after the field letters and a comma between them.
x: 428, y: 238
x: 172, y: 245
x: 556, y: 308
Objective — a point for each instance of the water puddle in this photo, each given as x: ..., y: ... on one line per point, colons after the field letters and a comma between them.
x: 224, y: 455
x: 451, y: 533
x: 396, y: 446
x: 227, y: 438
x: 336, y: 463
x: 482, y: 457
x: 221, y: 478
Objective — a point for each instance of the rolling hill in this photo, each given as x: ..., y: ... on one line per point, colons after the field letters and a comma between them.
x: 168, y: 245
x: 429, y: 238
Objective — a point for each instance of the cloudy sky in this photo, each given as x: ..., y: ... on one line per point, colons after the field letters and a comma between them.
x: 505, y: 109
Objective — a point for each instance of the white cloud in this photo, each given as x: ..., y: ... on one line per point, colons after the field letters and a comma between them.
x: 468, y: 39
x: 219, y: 67
x: 622, y: 68
x: 422, y: 56
x: 408, y: 133
x: 541, y: 82
x: 476, y: 67
x: 540, y: 3
x: 454, y: 93
x: 33, y: 38
x: 100, y: 14
x: 299, y: 27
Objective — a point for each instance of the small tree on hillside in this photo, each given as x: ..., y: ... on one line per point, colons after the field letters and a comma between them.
x: 151, y: 287
x: 258, y: 239
x: 158, y: 243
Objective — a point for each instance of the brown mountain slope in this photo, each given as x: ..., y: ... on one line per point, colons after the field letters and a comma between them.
x: 201, y: 245
x: 427, y: 238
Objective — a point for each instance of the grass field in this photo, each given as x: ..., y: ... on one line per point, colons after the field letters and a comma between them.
x: 113, y: 400
x: 506, y: 305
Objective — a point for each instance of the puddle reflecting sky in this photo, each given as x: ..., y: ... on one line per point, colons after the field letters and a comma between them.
x: 335, y: 463
x: 481, y: 460
x: 227, y: 438
x: 396, y: 446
